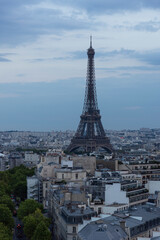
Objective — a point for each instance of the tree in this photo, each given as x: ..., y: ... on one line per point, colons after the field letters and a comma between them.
x: 6, y: 216
x: 41, y: 232
x: 17, y: 180
x: 20, y: 190
x: 7, y: 201
x: 4, y: 188
x: 5, y: 233
x: 31, y: 222
x: 27, y: 207
x: 30, y: 225
x: 13, y: 181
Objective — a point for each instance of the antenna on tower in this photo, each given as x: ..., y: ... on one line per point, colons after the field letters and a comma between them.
x: 91, y: 41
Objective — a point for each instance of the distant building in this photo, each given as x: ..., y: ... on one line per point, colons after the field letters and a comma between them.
x: 31, y: 159
x: 70, y: 175
x: 86, y: 162
x: 149, y: 170
x: 3, y: 162
x: 15, y: 159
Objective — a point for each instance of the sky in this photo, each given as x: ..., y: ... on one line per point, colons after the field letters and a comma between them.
x: 43, y: 62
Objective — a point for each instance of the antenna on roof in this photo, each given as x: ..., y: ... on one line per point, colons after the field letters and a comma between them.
x: 90, y: 41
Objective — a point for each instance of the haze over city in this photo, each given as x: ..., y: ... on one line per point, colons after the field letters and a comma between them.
x: 43, y: 63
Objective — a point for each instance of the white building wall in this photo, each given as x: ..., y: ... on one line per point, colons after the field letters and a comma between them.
x: 143, y: 238
x: 114, y: 194
x: 153, y: 186
x: 70, y: 175
x: 32, y: 158
x: 67, y: 163
x: 48, y: 171
x: 2, y: 164
x: 98, y: 173
x: 32, y: 188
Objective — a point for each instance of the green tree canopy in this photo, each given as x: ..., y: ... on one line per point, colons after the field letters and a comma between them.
x: 27, y: 207
x: 4, y: 188
x: 30, y: 225
x: 20, y: 189
x: 6, y: 216
x: 5, y: 233
x: 13, y: 181
x: 31, y: 222
x: 7, y: 201
x: 41, y: 232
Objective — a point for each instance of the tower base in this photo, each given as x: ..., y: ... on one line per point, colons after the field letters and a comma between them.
x: 90, y: 145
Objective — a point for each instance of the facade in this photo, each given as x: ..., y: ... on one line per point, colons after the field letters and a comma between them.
x: 114, y: 194
x: 86, y: 162
x: 154, y: 191
x: 125, y: 193
x: 68, y: 208
x: 148, y: 171
x: 15, y: 159
x: 3, y: 162
x: 70, y: 175
x: 31, y: 159
x: 34, y: 188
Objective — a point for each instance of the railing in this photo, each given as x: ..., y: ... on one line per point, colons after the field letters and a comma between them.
x: 140, y: 192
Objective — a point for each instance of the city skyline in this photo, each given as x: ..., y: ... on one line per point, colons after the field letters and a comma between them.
x: 43, y: 63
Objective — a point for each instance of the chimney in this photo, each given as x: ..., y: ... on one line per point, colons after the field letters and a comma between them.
x: 82, y: 210
x: 123, y: 224
x: 60, y: 158
x: 116, y: 165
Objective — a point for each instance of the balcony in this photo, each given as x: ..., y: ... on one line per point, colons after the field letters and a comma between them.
x: 142, y: 197
x: 137, y: 192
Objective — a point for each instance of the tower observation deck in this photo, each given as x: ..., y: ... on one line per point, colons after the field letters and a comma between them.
x: 90, y: 134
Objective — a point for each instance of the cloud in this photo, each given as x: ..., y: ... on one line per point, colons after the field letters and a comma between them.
x: 111, y: 6
x: 131, y: 68
x: 152, y: 57
x: 49, y: 59
x: 150, y: 26
x: 142, y: 26
x: 25, y: 22
x: 2, y: 59
x: 20, y: 75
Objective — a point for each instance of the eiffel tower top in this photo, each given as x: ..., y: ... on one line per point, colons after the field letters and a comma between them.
x: 91, y: 41
x: 91, y: 51
x: 90, y: 101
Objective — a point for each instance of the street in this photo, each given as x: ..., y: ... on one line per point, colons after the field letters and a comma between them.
x: 18, y: 233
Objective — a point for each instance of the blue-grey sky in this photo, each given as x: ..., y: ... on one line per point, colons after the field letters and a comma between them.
x: 43, y: 62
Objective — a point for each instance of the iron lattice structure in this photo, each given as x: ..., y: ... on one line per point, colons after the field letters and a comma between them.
x: 90, y: 134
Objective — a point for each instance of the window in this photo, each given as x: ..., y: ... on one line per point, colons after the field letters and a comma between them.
x: 62, y: 176
x: 99, y: 210
x: 74, y: 238
x: 76, y: 175
x: 74, y: 229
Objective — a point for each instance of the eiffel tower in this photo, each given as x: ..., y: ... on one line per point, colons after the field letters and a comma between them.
x: 90, y: 135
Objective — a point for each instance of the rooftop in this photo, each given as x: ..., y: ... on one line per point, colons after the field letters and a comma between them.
x: 95, y: 231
